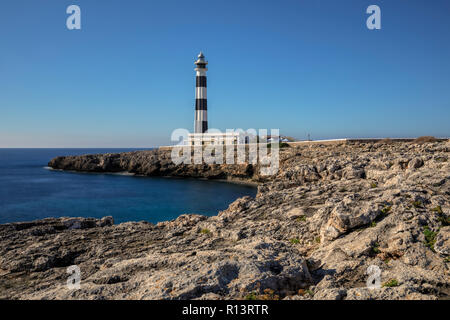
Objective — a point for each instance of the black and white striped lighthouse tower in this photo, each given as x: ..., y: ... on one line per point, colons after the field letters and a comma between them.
x: 201, y: 116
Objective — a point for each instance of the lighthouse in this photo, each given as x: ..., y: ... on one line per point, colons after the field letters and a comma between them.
x: 201, y: 116
x: 200, y: 137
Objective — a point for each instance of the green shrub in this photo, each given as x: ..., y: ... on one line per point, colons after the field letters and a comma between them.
x: 430, y: 237
x: 438, y: 210
x: 294, y: 241
x: 301, y: 219
x: 445, y: 221
x: 391, y: 283
x: 302, y: 292
x: 417, y: 204
x: 205, y: 231
x: 386, y: 209
x: 269, y: 294
x: 376, y: 248
x: 251, y: 296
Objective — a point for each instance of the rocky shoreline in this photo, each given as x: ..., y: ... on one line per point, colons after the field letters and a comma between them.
x: 312, y: 232
x: 156, y: 162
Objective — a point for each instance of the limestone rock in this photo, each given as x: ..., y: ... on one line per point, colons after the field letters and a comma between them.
x: 329, y: 215
x: 442, y: 244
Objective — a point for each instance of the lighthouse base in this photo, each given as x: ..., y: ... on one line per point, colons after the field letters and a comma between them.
x: 227, y: 138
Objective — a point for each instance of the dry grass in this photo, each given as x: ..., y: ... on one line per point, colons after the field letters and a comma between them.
x: 425, y: 139
x: 386, y: 141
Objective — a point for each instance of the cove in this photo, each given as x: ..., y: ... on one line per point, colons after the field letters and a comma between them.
x: 29, y: 191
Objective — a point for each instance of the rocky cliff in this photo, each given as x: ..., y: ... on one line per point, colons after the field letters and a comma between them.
x: 314, y: 231
x: 156, y: 162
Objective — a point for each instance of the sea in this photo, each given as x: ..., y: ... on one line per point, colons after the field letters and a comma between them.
x: 29, y: 190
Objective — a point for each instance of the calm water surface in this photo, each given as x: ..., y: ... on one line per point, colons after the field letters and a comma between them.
x: 29, y: 191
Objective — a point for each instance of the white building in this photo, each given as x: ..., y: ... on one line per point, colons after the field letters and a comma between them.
x: 220, y: 138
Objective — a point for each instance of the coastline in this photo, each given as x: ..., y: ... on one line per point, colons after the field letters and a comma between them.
x: 330, y: 207
x: 245, y: 182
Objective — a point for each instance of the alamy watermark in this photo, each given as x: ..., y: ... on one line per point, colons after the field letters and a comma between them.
x: 235, y: 146
x: 374, y: 20
x: 74, y: 280
x: 73, y: 22
x: 374, y: 279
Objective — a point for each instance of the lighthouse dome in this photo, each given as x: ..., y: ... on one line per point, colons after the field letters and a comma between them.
x: 201, y: 63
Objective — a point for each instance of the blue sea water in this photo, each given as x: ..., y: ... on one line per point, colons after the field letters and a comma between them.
x: 29, y: 191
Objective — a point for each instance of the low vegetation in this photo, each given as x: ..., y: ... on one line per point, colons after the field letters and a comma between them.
x: 268, y: 294
x: 437, y: 210
x: 386, y: 209
x: 430, y: 237
x: 445, y: 221
x: 391, y: 283
x: 425, y: 139
x: 376, y: 248
x: 251, y: 296
x: 417, y: 204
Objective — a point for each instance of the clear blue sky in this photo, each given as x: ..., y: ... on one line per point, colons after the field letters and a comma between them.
x: 126, y: 79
